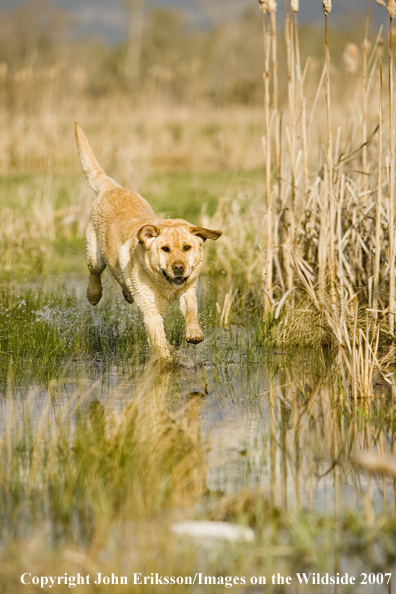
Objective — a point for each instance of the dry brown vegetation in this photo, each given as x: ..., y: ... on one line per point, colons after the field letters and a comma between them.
x: 319, y: 224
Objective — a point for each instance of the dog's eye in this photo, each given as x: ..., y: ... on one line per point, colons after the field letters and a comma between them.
x: 187, y: 247
x: 165, y: 248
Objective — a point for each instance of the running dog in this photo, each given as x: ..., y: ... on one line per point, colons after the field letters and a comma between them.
x: 154, y: 260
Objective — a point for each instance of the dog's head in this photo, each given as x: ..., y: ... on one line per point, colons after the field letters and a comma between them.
x: 173, y: 249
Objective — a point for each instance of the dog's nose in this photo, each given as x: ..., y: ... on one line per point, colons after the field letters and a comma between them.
x: 178, y: 268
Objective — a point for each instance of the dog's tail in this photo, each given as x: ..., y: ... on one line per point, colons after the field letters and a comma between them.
x: 96, y: 177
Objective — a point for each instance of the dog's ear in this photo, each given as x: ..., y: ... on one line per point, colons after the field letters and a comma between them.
x: 146, y: 233
x: 205, y: 233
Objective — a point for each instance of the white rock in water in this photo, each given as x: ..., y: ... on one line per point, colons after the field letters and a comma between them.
x: 214, y: 530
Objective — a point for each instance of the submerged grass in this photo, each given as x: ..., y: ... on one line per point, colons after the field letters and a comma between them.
x: 44, y: 333
x: 87, y: 467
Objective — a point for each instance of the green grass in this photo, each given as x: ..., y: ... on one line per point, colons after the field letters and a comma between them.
x: 44, y: 331
x: 20, y: 191
x: 184, y: 194
x: 44, y: 217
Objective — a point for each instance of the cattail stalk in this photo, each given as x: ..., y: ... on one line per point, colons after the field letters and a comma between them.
x: 322, y: 240
x: 292, y: 127
x: 339, y: 231
x: 365, y: 101
x: 378, y: 204
x: 267, y: 149
x: 391, y: 177
x: 294, y: 7
x: 330, y: 162
x: 275, y: 92
x: 275, y: 101
x: 318, y: 90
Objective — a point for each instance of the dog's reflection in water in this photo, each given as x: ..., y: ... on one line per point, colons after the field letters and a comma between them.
x: 167, y: 434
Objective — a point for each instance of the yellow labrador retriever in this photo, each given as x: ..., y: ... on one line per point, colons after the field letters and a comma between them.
x: 155, y: 261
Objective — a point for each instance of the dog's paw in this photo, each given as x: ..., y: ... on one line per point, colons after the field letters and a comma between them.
x: 194, y: 335
x: 162, y: 355
x: 94, y: 298
x: 128, y: 297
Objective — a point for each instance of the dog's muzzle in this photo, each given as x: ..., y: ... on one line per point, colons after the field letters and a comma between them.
x: 178, y: 281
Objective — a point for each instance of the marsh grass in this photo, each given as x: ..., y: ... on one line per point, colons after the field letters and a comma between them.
x: 44, y: 217
x: 41, y: 333
x: 101, y: 479
x: 45, y: 333
x: 94, y: 466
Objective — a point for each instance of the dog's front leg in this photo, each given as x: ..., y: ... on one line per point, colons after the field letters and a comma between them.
x: 149, y: 304
x: 154, y: 325
x: 189, y: 309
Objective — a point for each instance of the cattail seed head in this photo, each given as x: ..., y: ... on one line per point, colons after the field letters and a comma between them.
x: 267, y: 5
x: 327, y: 6
x: 381, y: 2
x: 263, y: 6
x: 391, y: 8
x: 351, y: 58
x: 294, y: 5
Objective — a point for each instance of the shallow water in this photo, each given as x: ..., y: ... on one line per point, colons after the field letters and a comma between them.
x: 278, y: 424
